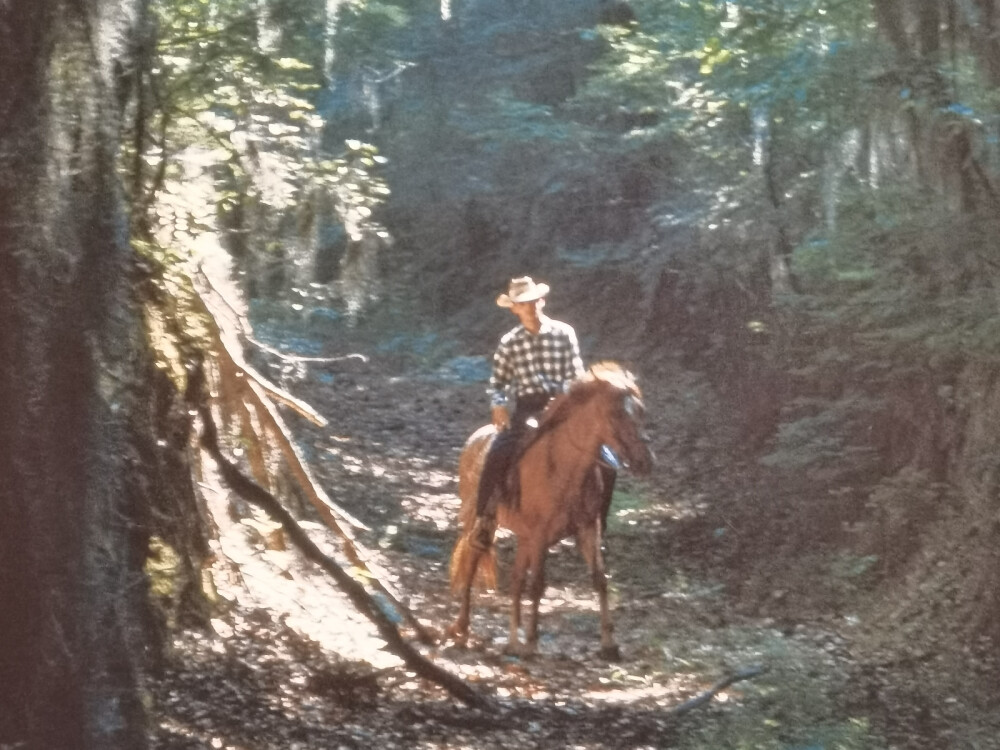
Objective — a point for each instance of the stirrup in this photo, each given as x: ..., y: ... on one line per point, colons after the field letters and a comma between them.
x: 607, y: 457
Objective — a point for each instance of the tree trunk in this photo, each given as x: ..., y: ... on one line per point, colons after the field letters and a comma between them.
x: 942, y: 144
x: 981, y: 17
x: 929, y: 29
x: 71, y: 363
x: 889, y: 18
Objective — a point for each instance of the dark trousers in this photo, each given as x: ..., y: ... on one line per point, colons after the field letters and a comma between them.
x: 501, y: 455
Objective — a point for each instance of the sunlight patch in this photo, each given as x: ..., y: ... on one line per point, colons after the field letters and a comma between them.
x: 433, y: 478
x: 439, y: 510
x: 673, y: 691
x: 561, y: 599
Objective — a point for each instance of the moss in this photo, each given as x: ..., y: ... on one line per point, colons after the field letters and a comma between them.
x: 164, y: 571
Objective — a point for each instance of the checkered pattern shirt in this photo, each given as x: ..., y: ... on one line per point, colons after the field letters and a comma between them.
x: 532, y: 363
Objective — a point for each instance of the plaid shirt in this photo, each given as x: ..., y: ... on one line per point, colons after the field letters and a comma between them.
x: 532, y: 363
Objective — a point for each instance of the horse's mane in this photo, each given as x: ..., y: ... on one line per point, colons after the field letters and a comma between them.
x: 614, y: 373
x: 584, y: 388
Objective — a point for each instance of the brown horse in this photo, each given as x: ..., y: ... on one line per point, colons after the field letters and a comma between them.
x: 560, y: 496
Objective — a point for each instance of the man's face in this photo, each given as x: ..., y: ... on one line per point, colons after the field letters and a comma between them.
x: 528, y: 312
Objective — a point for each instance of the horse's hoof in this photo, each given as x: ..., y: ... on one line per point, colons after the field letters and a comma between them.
x: 458, y: 636
x: 610, y: 653
x: 520, y: 650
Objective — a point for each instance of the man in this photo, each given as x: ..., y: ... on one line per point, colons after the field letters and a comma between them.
x: 536, y: 360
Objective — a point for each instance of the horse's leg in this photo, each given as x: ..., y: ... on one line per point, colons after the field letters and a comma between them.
x: 530, y: 557
x: 588, y: 541
x: 460, y: 628
x: 521, y: 561
x: 536, y: 591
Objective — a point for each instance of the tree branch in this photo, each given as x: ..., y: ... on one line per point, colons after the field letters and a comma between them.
x: 705, y: 697
x: 292, y: 358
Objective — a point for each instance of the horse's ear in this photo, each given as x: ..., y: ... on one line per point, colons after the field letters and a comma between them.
x: 633, y: 405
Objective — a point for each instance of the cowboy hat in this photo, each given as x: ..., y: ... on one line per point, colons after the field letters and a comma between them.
x: 523, y: 289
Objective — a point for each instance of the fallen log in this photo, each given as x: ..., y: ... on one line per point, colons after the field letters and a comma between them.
x: 253, y: 493
x: 241, y: 388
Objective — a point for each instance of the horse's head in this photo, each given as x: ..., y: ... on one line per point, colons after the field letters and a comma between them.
x: 620, y: 403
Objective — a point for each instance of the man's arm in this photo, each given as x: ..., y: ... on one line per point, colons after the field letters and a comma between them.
x: 500, y: 380
x: 574, y: 362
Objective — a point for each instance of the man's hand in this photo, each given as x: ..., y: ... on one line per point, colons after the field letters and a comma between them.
x: 500, y: 417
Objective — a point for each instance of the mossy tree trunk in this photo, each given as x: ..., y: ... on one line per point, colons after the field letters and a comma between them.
x: 73, y: 374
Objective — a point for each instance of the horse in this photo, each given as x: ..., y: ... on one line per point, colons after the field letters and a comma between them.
x: 559, y: 496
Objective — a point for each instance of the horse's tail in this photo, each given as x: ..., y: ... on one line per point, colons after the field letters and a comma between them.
x: 472, y: 567
x: 468, y: 565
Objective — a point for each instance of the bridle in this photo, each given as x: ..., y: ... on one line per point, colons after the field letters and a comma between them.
x: 632, y: 406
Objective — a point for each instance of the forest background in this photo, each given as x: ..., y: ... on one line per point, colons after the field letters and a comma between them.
x: 796, y: 202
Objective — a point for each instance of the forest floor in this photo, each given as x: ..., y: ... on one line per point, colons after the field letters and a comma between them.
x: 289, y: 664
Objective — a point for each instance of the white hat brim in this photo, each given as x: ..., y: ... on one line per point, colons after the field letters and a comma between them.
x: 539, y: 291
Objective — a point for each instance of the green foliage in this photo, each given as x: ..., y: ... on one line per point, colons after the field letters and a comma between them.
x: 354, y: 179
x: 743, y: 733
x: 850, y: 567
x: 826, y: 441
x: 217, y: 84
x: 896, y: 290
x: 369, y: 31
x: 628, y: 503
x: 211, y: 56
x: 890, y: 307
x: 904, y: 276
x: 902, y: 506
x: 233, y: 90
x: 793, y: 705
x: 510, y: 120
x: 702, y: 78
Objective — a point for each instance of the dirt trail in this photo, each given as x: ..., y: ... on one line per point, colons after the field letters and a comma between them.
x: 291, y: 666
